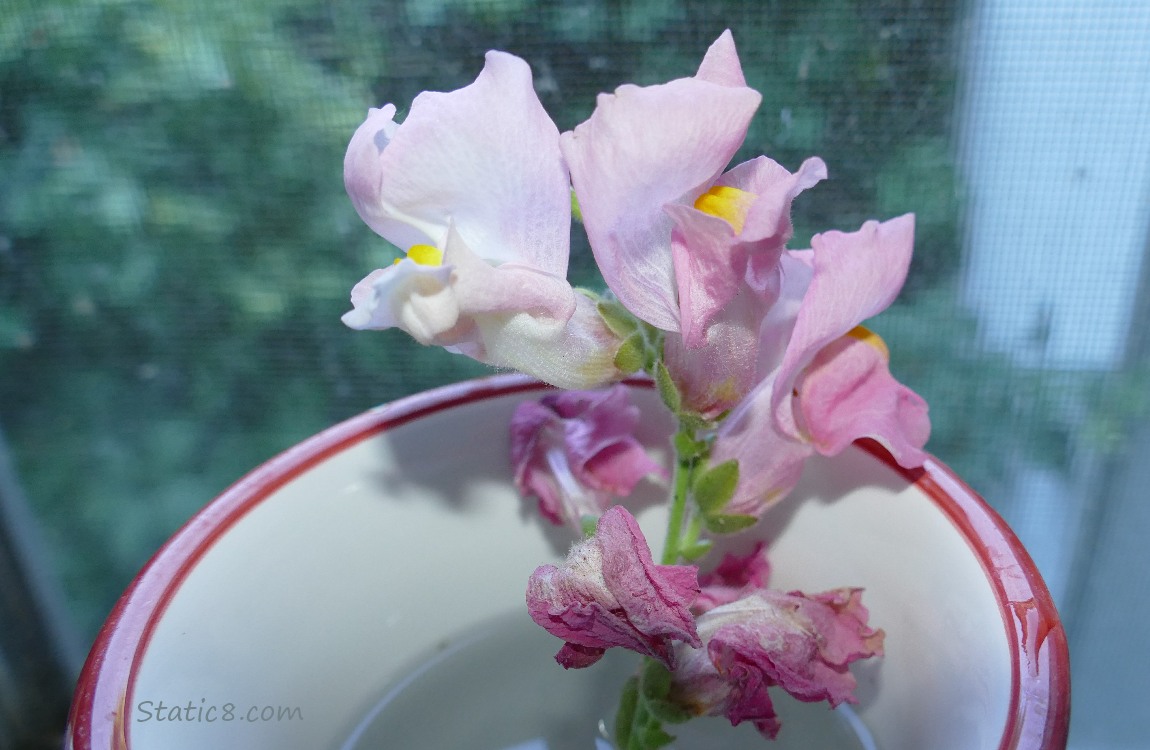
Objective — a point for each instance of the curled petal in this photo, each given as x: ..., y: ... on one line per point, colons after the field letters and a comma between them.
x: 768, y: 220
x: 609, y: 592
x: 364, y: 179
x: 733, y: 578
x: 730, y: 281
x: 716, y: 258
x: 574, y: 451
x: 416, y: 298
x: 485, y: 157
x: 802, y: 644
x: 444, y: 304
x: 848, y: 393
x: 855, y: 276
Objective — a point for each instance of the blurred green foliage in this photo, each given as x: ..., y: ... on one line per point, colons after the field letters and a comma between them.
x: 176, y: 247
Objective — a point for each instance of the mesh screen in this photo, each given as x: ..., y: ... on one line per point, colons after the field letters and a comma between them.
x: 176, y: 247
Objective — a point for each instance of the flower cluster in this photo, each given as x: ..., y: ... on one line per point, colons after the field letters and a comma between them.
x: 723, y: 637
x: 758, y: 350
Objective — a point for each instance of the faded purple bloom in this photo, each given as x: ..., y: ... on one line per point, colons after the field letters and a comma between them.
x: 609, y: 592
x: 802, y: 644
x: 575, y: 450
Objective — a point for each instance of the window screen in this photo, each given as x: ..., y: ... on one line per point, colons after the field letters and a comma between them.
x: 176, y: 247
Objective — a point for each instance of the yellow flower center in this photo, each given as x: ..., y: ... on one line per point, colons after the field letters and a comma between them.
x: 424, y: 255
x: 867, y: 336
x: 728, y: 203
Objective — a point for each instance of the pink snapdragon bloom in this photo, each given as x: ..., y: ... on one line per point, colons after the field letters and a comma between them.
x: 830, y: 384
x: 802, y: 644
x: 685, y: 247
x: 609, y: 592
x: 575, y: 450
x: 472, y: 186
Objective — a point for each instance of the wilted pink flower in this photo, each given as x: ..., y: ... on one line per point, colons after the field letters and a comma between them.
x: 802, y: 644
x: 609, y: 592
x: 575, y: 450
x: 472, y: 186
x: 826, y: 380
x: 733, y: 578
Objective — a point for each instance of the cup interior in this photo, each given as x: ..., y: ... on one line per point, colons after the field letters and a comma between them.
x: 282, y: 613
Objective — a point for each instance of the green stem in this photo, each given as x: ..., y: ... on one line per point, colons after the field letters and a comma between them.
x: 681, y: 481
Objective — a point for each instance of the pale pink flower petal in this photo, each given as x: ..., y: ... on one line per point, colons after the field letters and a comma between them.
x: 714, y: 375
x: 715, y: 261
x: 721, y: 63
x: 710, y: 262
x: 768, y: 221
x: 856, y: 276
x: 848, y: 393
x: 485, y: 157
x: 802, y: 644
x: 770, y: 462
x: 609, y: 592
x: 575, y: 451
x: 645, y: 148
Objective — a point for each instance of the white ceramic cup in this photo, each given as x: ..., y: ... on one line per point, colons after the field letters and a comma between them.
x: 279, y: 615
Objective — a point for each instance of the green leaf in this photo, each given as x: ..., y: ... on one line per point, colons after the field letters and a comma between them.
x: 696, y: 422
x: 654, y: 689
x: 668, y: 391
x: 687, y: 447
x: 720, y: 524
x: 630, y: 356
x: 693, y: 552
x: 655, y: 681
x: 617, y: 318
x: 667, y: 712
x: 715, y: 486
x: 653, y: 736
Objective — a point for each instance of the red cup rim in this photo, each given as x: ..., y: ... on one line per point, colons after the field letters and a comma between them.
x: 1039, y: 712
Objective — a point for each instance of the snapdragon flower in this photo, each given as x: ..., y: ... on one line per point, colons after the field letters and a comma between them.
x: 831, y: 382
x: 684, y: 246
x: 799, y: 643
x: 609, y: 592
x: 472, y: 186
x: 575, y: 451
